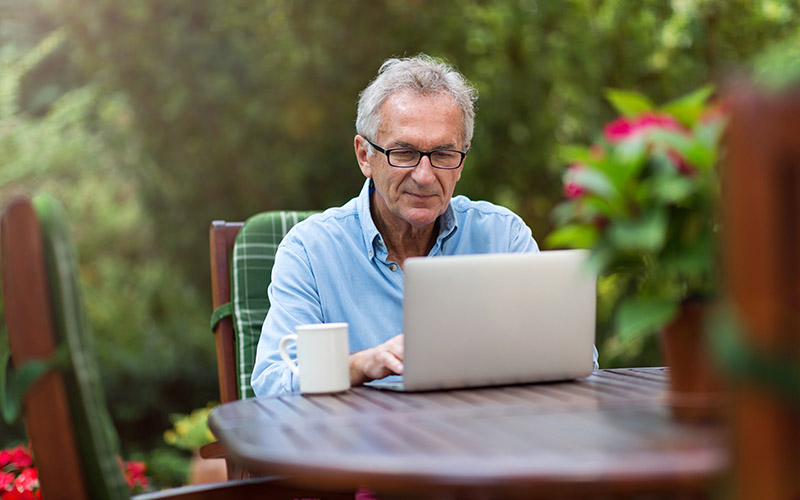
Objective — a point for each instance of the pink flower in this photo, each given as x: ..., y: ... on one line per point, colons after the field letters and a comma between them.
x: 625, y: 128
x: 571, y: 189
x: 5, y: 480
x: 27, y: 480
x: 21, y: 495
x: 135, y: 474
x: 18, y: 457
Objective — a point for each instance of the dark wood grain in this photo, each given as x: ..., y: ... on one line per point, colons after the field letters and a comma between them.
x: 610, y: 432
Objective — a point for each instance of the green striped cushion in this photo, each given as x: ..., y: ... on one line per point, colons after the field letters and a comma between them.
x: 96, y: 437
x: 253, y: 258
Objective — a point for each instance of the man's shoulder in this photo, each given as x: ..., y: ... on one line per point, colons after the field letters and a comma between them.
x: 463, y: 205
x: 324, y: 224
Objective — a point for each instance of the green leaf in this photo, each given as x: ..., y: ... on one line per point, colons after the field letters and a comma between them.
x: 689, y: 107
x: 572, y: 236
x: 639, y: 316
x: 629, y: 103
x: 672, y: 188
x: 564, y: 212
x: 693, y: 150
x: 595, y: 181
x: 628, y: 158
x: 709, y: 133
x: 573, y: 153
x: 646, y: 233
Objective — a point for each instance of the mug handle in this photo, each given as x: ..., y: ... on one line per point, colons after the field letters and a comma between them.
x: 285, y: 355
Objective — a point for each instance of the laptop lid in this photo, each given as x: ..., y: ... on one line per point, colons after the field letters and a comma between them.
x: 492, y: 319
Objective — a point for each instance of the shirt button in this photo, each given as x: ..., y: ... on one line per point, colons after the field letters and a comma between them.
x: 393, y: 267
x: 380, y: 243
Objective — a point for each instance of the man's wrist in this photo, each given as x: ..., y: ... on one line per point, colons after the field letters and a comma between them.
x: 356, y: 365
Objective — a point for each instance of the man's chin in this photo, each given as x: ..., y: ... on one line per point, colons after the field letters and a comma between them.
x: 421, y: 217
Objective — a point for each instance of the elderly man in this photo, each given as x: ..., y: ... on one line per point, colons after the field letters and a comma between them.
x: 414, y: 125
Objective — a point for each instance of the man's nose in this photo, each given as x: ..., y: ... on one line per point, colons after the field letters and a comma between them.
x: 423, y: 173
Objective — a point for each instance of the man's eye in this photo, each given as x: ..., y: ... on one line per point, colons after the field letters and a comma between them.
x: 447, y: 156
x: 404, y: 155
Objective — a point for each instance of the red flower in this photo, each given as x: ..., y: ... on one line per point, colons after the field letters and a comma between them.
x: 21, y: 495
x: 18, y: 457
x: 625, y: 128
x: 5, y: 480
x: 571, y: 189
x: 134, y: 473
x: 27, y: 480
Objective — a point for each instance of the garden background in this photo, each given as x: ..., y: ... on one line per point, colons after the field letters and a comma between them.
x: 149, y: 119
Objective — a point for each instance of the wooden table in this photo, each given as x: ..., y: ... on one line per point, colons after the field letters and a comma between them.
x: 608, y: 434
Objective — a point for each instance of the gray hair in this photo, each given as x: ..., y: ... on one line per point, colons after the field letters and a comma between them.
x: 423, y: 75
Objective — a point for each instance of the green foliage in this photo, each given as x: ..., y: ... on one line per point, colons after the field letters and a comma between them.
x: 778, y: 68
x: 167, y: 467
x: 190, y: 432
x: 83, y: 151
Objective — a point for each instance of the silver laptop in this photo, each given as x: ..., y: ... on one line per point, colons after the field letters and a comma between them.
x: 494, y: 319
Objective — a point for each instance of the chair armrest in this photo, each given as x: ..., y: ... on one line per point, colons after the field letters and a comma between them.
x: 212, y: 450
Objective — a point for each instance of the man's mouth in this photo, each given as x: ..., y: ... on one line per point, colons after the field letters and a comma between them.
x: 420, y: 196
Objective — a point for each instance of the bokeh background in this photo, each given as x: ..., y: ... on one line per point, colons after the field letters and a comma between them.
x: 151, y: 118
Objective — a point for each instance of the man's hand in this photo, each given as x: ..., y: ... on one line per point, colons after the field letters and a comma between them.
x: 377, y: 362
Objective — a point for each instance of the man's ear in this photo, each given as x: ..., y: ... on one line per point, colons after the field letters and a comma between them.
x: 362, y: 156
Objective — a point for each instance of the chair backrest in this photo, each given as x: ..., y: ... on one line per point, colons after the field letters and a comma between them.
x: 242, y: 256
x: 73, y: 441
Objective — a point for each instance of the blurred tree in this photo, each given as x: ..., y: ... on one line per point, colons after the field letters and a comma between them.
x: 84, y: 151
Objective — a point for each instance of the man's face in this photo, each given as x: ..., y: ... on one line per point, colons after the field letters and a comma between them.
x: 414, y: 196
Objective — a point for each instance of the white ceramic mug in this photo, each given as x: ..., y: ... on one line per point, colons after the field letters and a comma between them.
x: 323, y: 352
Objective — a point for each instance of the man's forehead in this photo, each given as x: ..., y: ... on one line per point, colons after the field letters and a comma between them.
x: 405, y: 108
x: 408, y: 99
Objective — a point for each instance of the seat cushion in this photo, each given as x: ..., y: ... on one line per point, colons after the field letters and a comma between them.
x: 95, y: 434
x: 251, y: 272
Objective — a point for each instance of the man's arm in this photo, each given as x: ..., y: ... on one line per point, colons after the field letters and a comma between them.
x: 294, y: 300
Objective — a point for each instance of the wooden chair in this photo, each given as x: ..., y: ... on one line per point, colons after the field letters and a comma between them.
x: 242, y: 255
x: 74, y: 444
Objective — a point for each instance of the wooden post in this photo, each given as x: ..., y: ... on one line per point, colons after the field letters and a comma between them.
x: 761, y: 186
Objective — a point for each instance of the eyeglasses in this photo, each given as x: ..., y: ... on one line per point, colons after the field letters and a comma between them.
x: 447, y: 159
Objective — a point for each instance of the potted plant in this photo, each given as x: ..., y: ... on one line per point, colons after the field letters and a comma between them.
x: 644, y: 198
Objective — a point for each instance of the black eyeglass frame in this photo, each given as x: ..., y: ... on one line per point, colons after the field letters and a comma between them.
x: 421, y: 154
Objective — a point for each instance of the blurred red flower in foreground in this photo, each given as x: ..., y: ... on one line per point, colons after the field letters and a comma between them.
x: 19, y: 479
x: 135, y: 475
x: 571, y: 188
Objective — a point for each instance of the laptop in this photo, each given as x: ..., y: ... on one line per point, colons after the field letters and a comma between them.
x: 496, y: 319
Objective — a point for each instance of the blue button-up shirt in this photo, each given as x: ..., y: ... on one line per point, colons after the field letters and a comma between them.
x: 333, y: 267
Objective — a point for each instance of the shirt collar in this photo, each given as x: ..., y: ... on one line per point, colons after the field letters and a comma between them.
x: 447, y: 222
x: 368, y: 228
